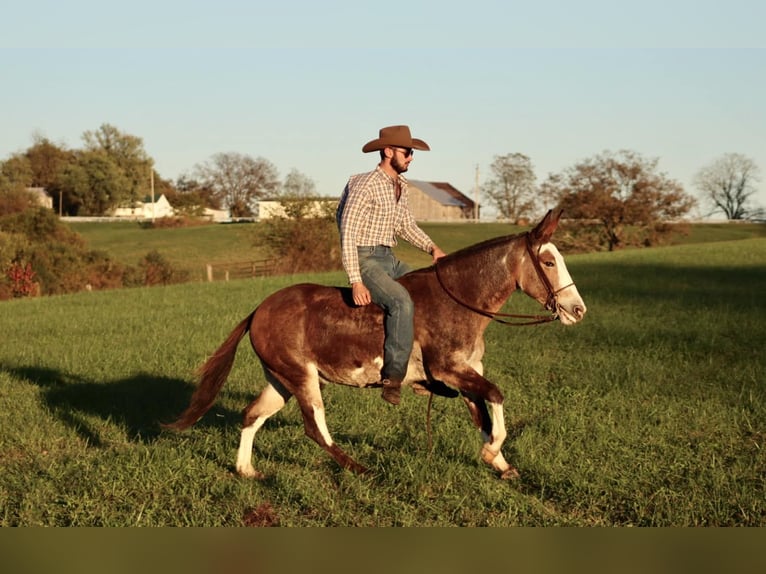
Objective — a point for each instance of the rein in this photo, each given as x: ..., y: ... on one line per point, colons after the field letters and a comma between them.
x: 550, y: 303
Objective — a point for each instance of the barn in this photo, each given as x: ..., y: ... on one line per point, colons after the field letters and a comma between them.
x: 429, y: 201
x: 439, y: 201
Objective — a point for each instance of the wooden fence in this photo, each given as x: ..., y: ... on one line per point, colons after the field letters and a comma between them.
x: 240, y: 269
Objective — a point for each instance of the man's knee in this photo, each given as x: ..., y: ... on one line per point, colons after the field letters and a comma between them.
x: 402, y: 303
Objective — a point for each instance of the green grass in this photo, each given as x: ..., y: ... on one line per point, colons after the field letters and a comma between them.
x: 650, y: 412
x: 187, y: 248
x: 192, y: 248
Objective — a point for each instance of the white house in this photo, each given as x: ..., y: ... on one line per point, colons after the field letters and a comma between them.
x: 217, y: 215
x: 146, y: 209
x: 41, y: 196
x: 317, y: 207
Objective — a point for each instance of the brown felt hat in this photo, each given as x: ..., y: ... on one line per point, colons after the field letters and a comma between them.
x: 395, y: 136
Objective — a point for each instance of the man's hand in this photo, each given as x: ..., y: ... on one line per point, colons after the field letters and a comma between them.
x: 437, y: 253
x: 361, y: 294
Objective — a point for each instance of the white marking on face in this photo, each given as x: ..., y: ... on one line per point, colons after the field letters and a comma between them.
x: 562, y: 273
x: 567, y: 297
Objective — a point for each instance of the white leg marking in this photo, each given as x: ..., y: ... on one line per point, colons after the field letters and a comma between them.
x: 491, y: 453
x: 267, y: 404
x: 245, y: 452
x: 322, y: 424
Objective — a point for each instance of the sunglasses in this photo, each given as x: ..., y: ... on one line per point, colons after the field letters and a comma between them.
x: 407, y: 151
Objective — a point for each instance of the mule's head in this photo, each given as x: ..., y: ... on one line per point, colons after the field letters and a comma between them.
x: 545, y: 277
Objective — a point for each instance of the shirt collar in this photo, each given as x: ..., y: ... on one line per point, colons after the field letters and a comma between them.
x: 402, y: 180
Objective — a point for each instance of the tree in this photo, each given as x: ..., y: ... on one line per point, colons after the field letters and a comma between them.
x: 727, y: 184
x: 190, y: 192
x: 237, y: 180
x: 512, y: 186
x: 94, y: 185
x: 127, y: 153
x: 622, y: 194
x: 46, y: 160
x: 17, y: 171
x: 297, y: 184
x: 298, y: 197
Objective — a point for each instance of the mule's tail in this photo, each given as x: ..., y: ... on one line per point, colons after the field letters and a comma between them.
x: 212, y: 376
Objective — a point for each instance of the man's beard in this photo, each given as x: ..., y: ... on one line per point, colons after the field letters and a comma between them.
x: 398, y: 166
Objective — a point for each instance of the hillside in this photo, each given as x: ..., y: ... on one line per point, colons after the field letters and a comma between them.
x: 192, y: 248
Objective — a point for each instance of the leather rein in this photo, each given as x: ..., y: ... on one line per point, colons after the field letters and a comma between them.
x: 550, y: 302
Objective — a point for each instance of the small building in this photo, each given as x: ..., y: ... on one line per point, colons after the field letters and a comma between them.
x: 41, y: 196
x: 217, y: 215
x: 146, y: 209
x: 429, y: 201
x: 439, y: 201
x: 314, y: 207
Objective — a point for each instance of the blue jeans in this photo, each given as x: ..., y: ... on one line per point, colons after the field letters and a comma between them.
x: 380, y: 269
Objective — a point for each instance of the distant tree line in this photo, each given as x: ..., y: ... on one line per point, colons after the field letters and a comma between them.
x: 112, y: 169
x: 620, y: 199
x: 611, y: 200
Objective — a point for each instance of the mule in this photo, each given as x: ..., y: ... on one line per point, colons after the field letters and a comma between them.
x: 307, y: 335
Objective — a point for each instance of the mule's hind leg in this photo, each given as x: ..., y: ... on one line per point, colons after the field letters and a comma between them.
x: 309, y: 398
x: 268, y: 403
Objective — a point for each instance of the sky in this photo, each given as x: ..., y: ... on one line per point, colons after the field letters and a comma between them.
x: 306, y: 84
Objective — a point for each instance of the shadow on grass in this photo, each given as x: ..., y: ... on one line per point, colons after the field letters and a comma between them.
x: 684, y: 287
x: 138, y: 404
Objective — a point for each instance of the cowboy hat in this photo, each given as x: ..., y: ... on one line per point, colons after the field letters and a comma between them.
x: 395, y: 136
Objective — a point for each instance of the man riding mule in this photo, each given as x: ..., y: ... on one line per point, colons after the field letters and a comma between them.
x: 307, y: 335
x: 372, y: 211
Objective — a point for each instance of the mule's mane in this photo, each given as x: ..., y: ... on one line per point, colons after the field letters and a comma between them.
x: 474, y: 259
x: 483, y: 246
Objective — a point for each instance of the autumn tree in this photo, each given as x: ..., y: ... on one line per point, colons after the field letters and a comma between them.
x: 622, y: 194
x: 47, y: 162
x: 511, y: 187
x: 728, y: 184
x: 189, y: 197
x: 237, y: 180
x: 16, y: 171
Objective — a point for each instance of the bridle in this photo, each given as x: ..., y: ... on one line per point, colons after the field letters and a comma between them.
x: 551, y: 301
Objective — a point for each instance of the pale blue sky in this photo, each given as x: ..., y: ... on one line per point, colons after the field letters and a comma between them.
x: 306, y: 84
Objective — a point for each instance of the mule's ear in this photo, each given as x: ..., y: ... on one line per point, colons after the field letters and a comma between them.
x: 544, y: 230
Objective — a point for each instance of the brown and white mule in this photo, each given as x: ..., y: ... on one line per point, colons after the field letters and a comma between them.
x: 307, y: 335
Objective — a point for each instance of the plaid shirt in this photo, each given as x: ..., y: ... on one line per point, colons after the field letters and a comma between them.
x: 368, y: 214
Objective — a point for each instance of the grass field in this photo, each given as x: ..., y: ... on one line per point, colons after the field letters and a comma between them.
x: 650, y: 412
x: 192, y: 248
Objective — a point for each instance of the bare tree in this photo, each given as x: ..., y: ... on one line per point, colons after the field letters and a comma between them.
x: 622, y: 194
x: 511, y: 189
x: 727, y: 184
x: 297, y: 184
x: 238, y: 180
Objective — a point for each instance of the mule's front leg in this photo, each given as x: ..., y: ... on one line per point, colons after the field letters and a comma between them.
x: 491, y: 451
x: 477, y: 392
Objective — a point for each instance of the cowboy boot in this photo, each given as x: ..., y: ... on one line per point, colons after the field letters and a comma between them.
x: 391, y: 391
